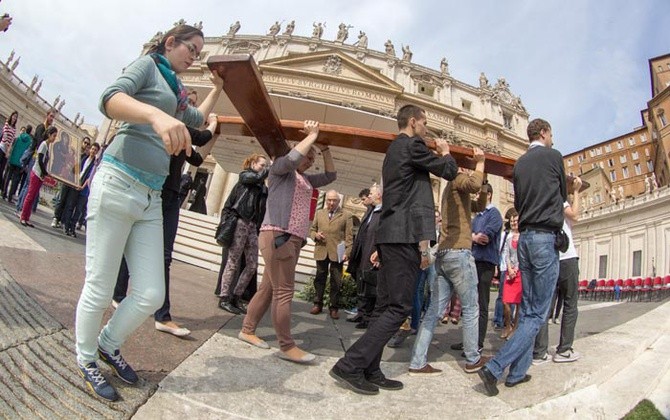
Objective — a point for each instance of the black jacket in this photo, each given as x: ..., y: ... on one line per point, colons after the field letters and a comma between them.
x: 251, y: 189
x: 408, y: 215
x: 364, y: 243
x: 198, y: 138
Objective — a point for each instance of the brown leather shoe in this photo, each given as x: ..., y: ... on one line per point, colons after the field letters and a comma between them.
x: 316, y: 309
x: 334, y: 314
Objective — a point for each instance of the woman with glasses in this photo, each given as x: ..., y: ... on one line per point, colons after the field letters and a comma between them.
x: 124, y: 207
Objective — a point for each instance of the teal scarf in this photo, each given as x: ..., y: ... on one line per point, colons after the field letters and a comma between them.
x: 171, y: 78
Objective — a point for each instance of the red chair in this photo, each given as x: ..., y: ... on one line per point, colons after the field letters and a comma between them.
x: 657, y: 289
x: 637, y: 287
x: 600, y: 289
x: 608, y: 290
x: 647, y: 287
x: 666, y: 285
x: 628, y: 288
x: 583, y: 290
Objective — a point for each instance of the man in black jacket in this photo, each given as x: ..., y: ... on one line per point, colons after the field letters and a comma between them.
x: 406, y: 227
x: 360, y: 266
x: 539, y: 193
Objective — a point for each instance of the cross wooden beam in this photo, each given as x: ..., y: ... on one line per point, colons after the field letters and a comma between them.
x: 245, y: 88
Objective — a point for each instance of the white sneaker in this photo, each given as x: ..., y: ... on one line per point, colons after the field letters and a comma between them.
x: 567, y: 356
x: 55, y: 223
x: 542, y: 360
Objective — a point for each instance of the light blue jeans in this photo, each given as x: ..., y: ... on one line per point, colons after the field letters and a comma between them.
x: 538, y: 262
x: 124, y: 218
x: 455, y: 271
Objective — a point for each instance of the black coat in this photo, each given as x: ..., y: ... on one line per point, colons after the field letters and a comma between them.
x: 364, y: 243
x: 408, y: 215
x: 248, y: 196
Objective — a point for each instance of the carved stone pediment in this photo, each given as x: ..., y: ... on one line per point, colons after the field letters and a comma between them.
x: 242, y: 47
x: 330, y: 64
x: 427, y: 79
x: 333, y: 64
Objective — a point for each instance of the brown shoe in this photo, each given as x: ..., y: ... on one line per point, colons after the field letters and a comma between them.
x: 316, y: 309
x: 334, y: 314
x: 427, y: 370
x: 474, y: 367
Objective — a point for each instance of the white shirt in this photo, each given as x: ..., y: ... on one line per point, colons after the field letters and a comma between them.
x: 567, y: 228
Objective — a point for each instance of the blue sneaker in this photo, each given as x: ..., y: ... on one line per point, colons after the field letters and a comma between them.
x: 97, y: 383
x: 120, y: 367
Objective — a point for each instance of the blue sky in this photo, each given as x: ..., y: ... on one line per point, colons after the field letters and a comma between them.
x: 582, y: 65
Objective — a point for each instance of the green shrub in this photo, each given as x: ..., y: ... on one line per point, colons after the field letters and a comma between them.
x: 645, y: 410
x: 348, y: 292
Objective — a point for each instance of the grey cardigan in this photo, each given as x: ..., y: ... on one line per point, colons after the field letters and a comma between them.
x: 281, y: 186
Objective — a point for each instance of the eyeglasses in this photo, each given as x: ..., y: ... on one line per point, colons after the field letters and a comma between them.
x: 192, y: 49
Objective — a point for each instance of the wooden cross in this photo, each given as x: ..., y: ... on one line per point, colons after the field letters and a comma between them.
x: 245, y: 88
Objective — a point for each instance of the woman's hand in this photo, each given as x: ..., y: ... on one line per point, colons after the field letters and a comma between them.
x: 216, y: 80
x: 173, y: 132
x: 311, y: 127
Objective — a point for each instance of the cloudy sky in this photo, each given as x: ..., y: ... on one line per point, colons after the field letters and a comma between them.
x: 581, y: 64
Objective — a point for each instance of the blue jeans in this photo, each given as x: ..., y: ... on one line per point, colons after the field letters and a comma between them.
x: 425, y: 277
x: 124, y: 217
x: 455, y: 271
x: 538, y: 262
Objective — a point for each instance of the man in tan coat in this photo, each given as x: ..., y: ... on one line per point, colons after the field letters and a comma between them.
x: 331, y: 227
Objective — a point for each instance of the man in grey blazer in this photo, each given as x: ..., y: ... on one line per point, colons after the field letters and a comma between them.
x: 406, y: 227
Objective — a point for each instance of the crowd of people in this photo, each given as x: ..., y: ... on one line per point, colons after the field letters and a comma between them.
x: 129, y: 197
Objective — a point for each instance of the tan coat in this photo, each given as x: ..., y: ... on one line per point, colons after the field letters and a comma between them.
x: 336, y: 230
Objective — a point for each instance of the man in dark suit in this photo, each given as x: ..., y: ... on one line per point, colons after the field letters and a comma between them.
x: 332, y: 225
x: 406, y: 226
x: 360, y: 266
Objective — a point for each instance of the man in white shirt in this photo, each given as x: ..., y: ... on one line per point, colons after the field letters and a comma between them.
x: 568, y: 285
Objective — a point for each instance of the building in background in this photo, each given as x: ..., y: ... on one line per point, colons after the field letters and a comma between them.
x: 624, y: 229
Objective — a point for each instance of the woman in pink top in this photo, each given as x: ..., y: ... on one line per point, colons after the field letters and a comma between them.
x: 8, y: 135
x: 513, y: 290
x: 283, y: 233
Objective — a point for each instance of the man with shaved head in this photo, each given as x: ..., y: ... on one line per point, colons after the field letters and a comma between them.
x: 332, y: 225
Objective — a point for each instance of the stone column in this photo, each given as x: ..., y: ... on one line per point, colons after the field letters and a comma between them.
x: 215, y: 197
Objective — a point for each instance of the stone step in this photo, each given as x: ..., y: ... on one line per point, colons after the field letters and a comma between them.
x: 195, y: 244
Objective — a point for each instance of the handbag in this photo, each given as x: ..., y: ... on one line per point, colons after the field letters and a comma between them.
x: 225, y: 232
x: 562, y: 241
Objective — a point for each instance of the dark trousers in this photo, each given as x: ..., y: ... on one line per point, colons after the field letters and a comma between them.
x: 75, y: 206
x: 61, y: 200
x: 568, y: 286
x: 335, y: 282
x: 12, y: 176
x: 485, y: 271
x: 367, y: 293
x: 3, y: 163
x: 170, y: 223
x: 66, y: 205
x: 556, y: 304
x: 395, y: 292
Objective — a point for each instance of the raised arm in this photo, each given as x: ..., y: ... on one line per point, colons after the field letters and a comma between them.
x: 207, y: 105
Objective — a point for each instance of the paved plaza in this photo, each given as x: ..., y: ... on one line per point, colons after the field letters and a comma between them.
x: 211, y: 374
